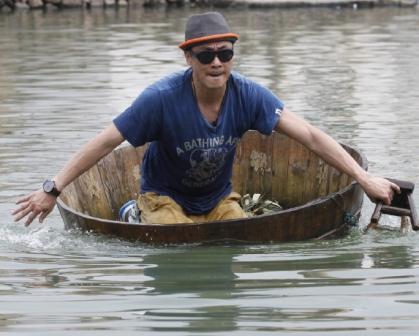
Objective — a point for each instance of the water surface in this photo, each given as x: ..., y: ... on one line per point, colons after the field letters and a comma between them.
x: 64, y: 75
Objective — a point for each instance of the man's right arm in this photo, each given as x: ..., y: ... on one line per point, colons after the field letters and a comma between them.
x: 377, y: 188
x: 39, y: 203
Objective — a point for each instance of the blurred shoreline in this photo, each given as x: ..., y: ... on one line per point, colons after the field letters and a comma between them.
x: 12, y: 5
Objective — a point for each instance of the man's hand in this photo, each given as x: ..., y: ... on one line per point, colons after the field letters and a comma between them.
x: 378, y: 188
x: 38, y: 203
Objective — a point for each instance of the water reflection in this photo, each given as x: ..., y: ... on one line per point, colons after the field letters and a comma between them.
x: 271, y: 288
x: 237, y: 275
x: 197, y: 273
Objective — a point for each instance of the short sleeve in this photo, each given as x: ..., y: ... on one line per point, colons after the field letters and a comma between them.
x: 265, y: 108
x: 141, y: 122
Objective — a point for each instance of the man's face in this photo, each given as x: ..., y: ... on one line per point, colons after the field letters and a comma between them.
x: 215, y: 74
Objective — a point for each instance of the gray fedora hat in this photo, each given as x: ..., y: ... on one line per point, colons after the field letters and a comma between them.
x: 207, y: 27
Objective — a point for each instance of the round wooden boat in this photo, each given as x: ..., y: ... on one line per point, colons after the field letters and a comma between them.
x: 318, y: 200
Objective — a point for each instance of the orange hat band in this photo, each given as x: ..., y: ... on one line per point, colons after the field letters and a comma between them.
x: 217, y: 37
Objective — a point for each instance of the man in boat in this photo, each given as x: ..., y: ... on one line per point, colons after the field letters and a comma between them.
x: 194, y: 120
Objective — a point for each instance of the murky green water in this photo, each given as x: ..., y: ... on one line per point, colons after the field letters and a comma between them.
x: 64, y: 75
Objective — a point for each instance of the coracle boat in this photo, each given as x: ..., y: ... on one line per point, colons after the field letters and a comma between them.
x: 318, y: 200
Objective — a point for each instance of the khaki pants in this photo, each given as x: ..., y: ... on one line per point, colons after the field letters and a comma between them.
x: 160, y: 209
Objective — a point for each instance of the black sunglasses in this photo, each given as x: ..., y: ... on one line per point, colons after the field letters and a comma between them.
x: 207, y: 56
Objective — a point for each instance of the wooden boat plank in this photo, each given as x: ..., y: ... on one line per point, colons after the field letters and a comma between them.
x: 312, y: 184
x: 88, y: 189
x: 296, y: 174
x: 280, y: 169
x: 128, y: 161
x: 114, y: 184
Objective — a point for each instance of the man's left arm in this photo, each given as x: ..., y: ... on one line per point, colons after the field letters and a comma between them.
x: 334, y: 154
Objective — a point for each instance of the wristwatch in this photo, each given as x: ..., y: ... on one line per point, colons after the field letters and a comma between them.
x: 50, y: 188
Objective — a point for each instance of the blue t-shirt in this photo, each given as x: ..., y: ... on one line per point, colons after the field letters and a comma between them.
x: 190, y: 159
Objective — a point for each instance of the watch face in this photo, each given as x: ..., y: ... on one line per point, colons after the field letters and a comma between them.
x: 49, y: 186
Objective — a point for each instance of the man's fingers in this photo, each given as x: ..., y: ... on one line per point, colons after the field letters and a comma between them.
x: 43, y: 215
x: 395, y: 187
x: 23, y: 206
x: 24, y: 198
x: 22, y: 213
x: 31, y: 217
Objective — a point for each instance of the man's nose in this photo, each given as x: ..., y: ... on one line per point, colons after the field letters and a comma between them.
x: 216, y: 61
